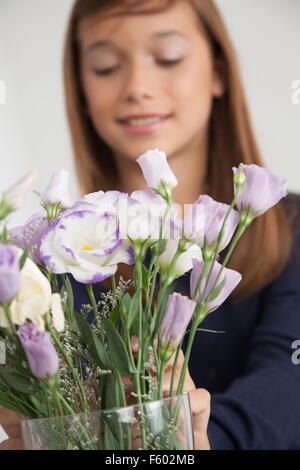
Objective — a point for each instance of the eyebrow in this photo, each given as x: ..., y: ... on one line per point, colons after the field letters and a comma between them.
x: 110, y: 44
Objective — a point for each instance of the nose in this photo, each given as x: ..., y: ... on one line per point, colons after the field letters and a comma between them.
x: 139, y: 84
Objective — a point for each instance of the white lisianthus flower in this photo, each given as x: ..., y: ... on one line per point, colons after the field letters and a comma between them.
x: 57, y: 191
x: 84, y: 241
x: 145, y: 215
x: 184, y: 262
x: 33, y: 300
x: 13, y: 197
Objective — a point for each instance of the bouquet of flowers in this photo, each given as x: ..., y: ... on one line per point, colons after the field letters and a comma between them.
x: 70, y: 367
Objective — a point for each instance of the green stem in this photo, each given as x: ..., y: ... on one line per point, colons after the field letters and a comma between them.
x: 8, y: 316
x: 220, y: 237
x: 55, y: 283
x: 89, y: 288
x: 200, y: 279
x: 161, y: 378
x: 232, y: 246
x: 198, y: 316
x: 157, y: 317
x: 70, y: 365
x: 114, y: 286
x: 155, y: 258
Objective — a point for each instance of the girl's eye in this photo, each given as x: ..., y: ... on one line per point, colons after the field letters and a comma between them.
x: 104, y: 72
x: 109, y: 71
x: 168, y: 63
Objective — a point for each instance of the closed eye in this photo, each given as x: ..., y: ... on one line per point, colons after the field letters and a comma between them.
x: 104, y: 72
x: 169, y: 63
x: 111, y: 70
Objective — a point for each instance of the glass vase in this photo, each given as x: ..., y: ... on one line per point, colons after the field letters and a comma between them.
x: 158, y: 425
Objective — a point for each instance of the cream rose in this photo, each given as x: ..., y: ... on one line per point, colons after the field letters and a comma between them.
x: 33, y: 300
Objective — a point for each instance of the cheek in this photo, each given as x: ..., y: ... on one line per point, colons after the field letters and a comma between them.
x: 100, y: 99
x: 192, y: 89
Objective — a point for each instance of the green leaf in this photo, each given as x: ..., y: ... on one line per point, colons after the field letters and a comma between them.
x: 39, y: 405
x: 18, y: 381
x: 125, y: 304
x: 117, y: 348
x: 95, y: 347
x: 115, y: 314
x: 23, y: 257
x: 70, y: 296
x: 162, y: 246
x: 7, y: 402
x: 110, y: 442
x: 133, y: 308
x: 216, y: 291
x: 145, y: 277
x: 107, y: 384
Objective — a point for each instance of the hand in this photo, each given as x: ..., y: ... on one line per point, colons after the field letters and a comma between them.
x: 10, y: 421
x: 199, y: 398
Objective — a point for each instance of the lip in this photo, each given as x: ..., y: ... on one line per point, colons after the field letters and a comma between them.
x: 138, y: 129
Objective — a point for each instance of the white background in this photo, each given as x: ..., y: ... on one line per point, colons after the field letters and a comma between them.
x: 33, y: 127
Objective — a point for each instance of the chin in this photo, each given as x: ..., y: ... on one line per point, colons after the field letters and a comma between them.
x: 136, y: 150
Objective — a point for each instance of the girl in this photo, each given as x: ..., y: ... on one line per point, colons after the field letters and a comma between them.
x: 162, y: 74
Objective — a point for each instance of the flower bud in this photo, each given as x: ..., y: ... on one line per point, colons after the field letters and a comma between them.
x: 40, y: 352
x: 214, y: 298
x: 157, y: 173
x: 57, y: 192
x: 240, y: 177
x: 262, y: 190
x: 9, y: 273
x: 14, y: 196
x: 178, y: 314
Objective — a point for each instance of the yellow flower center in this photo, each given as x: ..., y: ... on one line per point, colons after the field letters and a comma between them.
x: 87, y: 248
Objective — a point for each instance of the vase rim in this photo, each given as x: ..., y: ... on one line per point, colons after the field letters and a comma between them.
x: 184, y: 395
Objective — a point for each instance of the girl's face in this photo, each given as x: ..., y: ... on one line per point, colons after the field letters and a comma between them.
x: 148, y: 80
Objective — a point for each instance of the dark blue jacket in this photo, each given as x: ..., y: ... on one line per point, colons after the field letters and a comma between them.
x: 251, y: 371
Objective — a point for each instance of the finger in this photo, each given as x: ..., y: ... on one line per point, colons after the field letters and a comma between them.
x: 8, y: 418
x: 188, y: 384
x: 13, y: 430
x: 134, y: 344
x: 200, y: 407
x: 179, y: 363
x: 12, y: 444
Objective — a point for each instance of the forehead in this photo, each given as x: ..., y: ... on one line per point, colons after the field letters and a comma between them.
x: 111, y: 25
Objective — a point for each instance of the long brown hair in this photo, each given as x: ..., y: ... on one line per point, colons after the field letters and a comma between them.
x: 264, y: 249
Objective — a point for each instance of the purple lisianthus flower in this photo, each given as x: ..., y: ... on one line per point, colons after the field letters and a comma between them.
x: 211, y: 215
x: 40, y: 352
x: 232, y: 279
x: 30, y: 236
x: 9, y: 273
x: 156, y: 171
x: 262, y: 190
x: 179, y: 312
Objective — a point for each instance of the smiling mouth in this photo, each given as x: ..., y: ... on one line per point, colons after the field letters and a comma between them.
x: 142, y: 121
x: 137, y: 124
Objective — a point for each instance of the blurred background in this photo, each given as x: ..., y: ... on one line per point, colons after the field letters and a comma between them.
x: 33, y: 125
